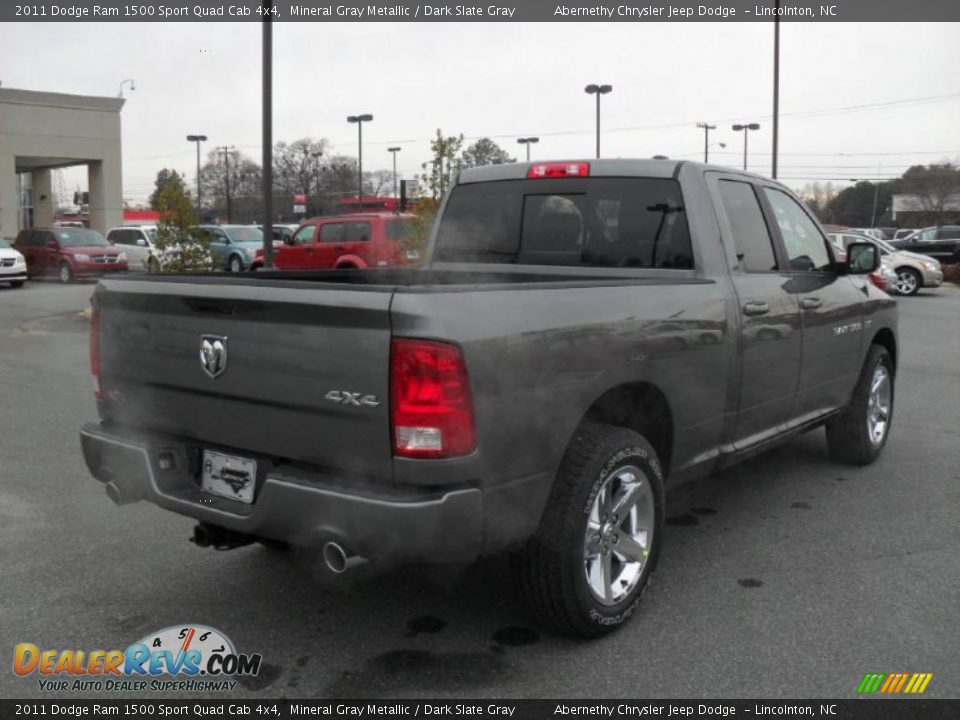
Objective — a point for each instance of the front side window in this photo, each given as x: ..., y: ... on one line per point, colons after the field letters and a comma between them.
x: 928, y: 235
x: 806, y: 247
x: 751, y: 238
x: 305, y: 235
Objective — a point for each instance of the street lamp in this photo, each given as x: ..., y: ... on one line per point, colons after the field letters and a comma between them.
x: 745, y: 129
x: 707, y: 127
x: 598, y: 90
x: 528, y: 141
x: 132, y: 86
x: 360, y: 120
x: 393, y: 151
x: 197, y: 139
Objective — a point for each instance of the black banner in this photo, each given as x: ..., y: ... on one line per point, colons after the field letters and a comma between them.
x: 497, y: 11
x: 859, y: 709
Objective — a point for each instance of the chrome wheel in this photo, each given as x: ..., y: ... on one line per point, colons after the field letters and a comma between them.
x: 236, y: 265
x: 66, y: 275
x: 619, y: 535
x: 907, y: 282
x: 878, y: 405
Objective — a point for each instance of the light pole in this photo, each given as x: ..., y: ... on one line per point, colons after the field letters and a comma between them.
x: 528, y: 141
x: 707, y: 127
x: 316, y: 160
x: 360, y: 120
x: 598, y: 90
x: 132, y: 86
x: 197, y: 139
x: 746, y: 131
x: 393, y: 151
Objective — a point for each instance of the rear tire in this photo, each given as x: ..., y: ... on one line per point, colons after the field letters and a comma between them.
x: 236, y: 264
x: 66, y: 273
x: 858, y: 436
x: 585, y: 570
x: 909, y: 281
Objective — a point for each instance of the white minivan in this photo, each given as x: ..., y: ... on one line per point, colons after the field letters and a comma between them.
x: 139, y: 244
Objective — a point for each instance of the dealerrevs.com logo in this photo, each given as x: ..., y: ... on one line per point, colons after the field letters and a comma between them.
x: 197, y: 657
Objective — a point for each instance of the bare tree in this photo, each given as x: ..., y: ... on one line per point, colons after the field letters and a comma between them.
x: 932, y: 191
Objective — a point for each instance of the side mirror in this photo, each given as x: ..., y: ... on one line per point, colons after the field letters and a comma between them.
x: 141, y: 242
x: 863, y: 258
x: 288, y: 240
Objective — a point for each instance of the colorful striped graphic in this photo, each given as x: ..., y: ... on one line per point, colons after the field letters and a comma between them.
x: 894, y: 683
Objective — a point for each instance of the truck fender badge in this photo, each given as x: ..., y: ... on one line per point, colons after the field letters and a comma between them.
x: 213, y: 354
x: 344, y: 397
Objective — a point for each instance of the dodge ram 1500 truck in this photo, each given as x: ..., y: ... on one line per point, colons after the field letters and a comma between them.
x: 584, y: 335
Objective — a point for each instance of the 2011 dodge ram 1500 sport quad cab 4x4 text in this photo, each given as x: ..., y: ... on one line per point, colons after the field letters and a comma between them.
x: 583, y: 336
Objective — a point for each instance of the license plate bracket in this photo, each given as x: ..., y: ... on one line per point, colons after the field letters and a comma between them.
x: 228, y: 476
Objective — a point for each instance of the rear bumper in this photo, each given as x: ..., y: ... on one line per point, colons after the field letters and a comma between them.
x: 292, y: 505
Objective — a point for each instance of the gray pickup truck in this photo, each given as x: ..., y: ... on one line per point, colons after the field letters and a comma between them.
x: 583, y: 336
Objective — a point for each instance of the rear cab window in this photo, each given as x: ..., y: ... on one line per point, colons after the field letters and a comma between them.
x: 583, y: 222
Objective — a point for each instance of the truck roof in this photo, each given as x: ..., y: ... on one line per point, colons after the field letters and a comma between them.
x: 598, y: 168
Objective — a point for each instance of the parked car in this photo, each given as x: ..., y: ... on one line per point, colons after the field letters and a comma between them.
x: 13, y: 267
x: 875, y: 233
x: 912, y: 270
x: 139, y: 245
x: 371, y: 240
x: 281, y: 233
x: 515, y: 394
x: 942, y: 243
x: 233, y: 247
x: 69, y: 253
x: 903, y: 233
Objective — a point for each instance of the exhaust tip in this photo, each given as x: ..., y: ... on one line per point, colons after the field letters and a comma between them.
x: 113, y: 492
x: 335, y: 557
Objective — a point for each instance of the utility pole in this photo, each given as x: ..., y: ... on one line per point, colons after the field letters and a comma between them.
x: 706, y: 139
x: 224, y: 152
x: 266, y: 69
x: 776, y: 87
x: 393, y: 151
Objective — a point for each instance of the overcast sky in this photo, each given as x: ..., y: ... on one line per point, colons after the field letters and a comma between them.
x: 507, y: 80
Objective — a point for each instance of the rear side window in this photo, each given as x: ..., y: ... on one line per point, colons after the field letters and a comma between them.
x: 356, y: 231
x: 751, y: 238
x: 949, y: 233
x: 597, y: 222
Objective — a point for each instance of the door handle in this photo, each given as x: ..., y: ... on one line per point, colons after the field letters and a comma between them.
x: 756, y: 307
x: 810, y: 303
x: 339, y: 248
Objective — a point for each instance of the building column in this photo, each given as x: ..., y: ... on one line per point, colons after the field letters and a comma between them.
x: 9, y: 201
x: 106, y: 193
x: 43, y: 197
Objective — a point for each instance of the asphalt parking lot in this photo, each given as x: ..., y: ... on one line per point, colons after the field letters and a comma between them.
x: 787, y: 577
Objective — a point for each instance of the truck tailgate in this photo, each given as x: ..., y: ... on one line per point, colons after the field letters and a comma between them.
x: 287, y: 349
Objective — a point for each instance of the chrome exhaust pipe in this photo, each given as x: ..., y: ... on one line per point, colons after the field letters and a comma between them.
x: 118, y: 495
x: 338, y: 560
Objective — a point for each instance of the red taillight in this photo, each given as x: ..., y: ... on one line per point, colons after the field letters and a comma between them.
x: 431, y: 405
x: 95, y: 352
x: 558, y: 170
x: 878, y: 280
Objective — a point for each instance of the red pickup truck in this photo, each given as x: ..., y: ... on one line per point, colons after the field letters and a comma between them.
x: 369, y: 240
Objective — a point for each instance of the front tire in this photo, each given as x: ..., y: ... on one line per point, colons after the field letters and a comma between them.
x: 236, y: 264
x: 859, y: 435
x: 909, y: 281
x: 585, y: 570
x: 66, y: 273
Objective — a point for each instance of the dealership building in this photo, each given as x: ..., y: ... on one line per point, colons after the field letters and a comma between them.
x: 40, y: 132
